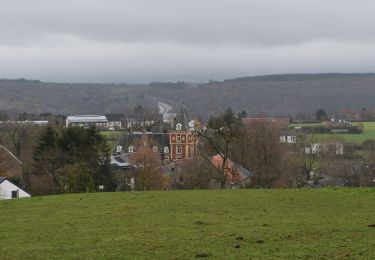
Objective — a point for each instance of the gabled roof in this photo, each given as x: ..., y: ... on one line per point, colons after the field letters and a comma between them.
x: 162, y: 139
x: 242, y: 170
x: 120, y: 160
x: 2, y: 179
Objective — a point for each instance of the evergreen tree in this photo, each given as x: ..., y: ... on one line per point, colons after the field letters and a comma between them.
x: 46, y: 159
x: 321, y: 115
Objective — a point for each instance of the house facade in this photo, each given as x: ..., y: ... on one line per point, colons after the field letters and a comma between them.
x: 115, y: 121
x: 182, y: 138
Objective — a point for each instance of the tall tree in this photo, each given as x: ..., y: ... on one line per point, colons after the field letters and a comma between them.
x: 369, y: 146
x: 221, y: 133
x: 46, y: 157
x: 260, y: 151
x: 306, y: 150
x: 147, y: 163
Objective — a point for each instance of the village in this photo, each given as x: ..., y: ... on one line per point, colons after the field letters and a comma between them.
x: 187, y: 129
x: 168, y: 151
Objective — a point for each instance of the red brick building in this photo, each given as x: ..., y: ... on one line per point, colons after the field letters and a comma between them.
x: 182, y: 139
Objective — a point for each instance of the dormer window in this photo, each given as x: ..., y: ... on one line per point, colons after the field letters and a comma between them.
x: 155, y: 149
x: 178, y: 127
x: 166, y: 149
x: 119, y: 149
x: 131, y: 149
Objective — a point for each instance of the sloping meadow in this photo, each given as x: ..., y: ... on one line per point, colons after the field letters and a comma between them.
x: 224, y: 224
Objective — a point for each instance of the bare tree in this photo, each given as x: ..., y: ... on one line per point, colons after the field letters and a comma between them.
x: 219, y: 137
x: 306, y: 151
x: 260, y: 151
x: 147, y: 162
x: 196, y: 173
x: 370, y: 162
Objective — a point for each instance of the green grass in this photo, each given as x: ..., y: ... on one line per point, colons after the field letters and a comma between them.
x: 293, y: 224
x: 368, y: 133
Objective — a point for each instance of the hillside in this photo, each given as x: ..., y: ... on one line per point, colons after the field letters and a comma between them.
x: 264, y: 95
x: 235, y: 224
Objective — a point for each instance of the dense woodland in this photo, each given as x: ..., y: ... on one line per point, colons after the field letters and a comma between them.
x: 277, y: 95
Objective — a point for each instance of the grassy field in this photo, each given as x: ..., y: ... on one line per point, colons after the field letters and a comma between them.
x: 224, y: 224
x: 368, y: 133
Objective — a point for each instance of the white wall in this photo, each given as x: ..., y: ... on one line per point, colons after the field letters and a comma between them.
x: 6, y: 188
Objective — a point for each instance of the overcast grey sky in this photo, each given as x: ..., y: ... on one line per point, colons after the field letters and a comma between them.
x: 191, y: 40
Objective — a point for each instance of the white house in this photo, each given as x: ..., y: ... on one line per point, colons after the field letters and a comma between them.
x: 10, y: 191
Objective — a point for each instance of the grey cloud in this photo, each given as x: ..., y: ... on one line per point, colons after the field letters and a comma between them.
x: 135, y: 40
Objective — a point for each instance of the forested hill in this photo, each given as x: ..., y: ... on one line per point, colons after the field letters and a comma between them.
x: 260, y: 95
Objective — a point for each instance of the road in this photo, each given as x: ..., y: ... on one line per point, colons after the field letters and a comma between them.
x: 164, y: 108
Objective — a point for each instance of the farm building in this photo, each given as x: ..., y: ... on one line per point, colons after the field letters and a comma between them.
x: 87, y: 121
x: 8, y: 190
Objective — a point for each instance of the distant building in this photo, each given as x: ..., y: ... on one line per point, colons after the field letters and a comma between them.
x: 36, y: 122
x: 179, y: 142
x: 8, y: 190
x: 288, y: 137
x: 87, y: 121
x: 115, y: 121
x: 182, y: 138
x: 140, y: 121
x: 318, y: 148
x: 236, y: 175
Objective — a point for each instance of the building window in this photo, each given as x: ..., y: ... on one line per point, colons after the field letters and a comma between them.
x: 166, y: 149
x: 179, y: 150
x: 131, y: 149
x: 178, y: 138
x: 178, y: 127
x: 155, y: 149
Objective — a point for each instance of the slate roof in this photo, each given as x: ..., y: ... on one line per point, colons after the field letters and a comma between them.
x: 126, y: 140
x: 87, y: 119
x: 115, y: 117
x: 183, y: 118
x: 2, y: 179
x: 121, y: 160
x: 242, y: 170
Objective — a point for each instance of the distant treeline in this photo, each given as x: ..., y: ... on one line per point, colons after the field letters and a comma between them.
x: 297, y: 96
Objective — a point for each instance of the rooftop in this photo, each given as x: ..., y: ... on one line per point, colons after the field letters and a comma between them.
x: 2, y: 179
x: 87, y: 118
